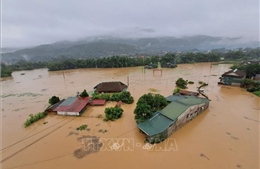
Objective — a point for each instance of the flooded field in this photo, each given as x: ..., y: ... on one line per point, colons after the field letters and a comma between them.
x: 225, y: 136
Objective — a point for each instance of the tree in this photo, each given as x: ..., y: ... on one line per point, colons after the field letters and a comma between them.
x: 142, y: 112
x: 147, y: 105
x: 113, y: 113
x: 53, y: 100
x: 181, y: 83
x: 84, y: 93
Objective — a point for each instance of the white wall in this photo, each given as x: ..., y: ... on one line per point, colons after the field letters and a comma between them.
x: 68, y: 113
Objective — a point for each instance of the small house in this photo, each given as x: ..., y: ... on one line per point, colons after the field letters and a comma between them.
x: 72, y: 106
x: 180, y: 111
x: 232, y: 77
x: 110, y: 87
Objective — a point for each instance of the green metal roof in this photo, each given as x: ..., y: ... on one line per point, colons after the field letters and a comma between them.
x: 193, y: 100
x: 188, y: 100
x: 174, y: 97
x: 155, y: 125
x: 163, y: 119
x: 174, y: 110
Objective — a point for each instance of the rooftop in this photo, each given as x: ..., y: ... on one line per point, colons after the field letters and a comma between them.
x: 174, y: 110
x: 73, y: 104
x: 156, y: 124
x: 236, y: 73
x: 110, y: 87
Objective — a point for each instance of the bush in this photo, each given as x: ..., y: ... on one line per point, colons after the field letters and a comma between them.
x: 190, y: 82
x: 125, y: 97
x: 113, y: 113
x: 181, y: 83
x: 82, y: 127
x: 176, y: 90
x: 34, y: 118
x: 84, y: 93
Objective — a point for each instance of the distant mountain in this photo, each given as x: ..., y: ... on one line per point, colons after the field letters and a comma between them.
x: 104, y: 46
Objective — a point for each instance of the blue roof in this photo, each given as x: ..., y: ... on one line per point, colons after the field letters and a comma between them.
x: 68, y: 101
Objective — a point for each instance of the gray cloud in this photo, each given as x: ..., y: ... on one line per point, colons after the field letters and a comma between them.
x: 33, y: 22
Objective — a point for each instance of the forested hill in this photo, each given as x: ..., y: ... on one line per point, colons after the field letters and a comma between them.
x: 111, y: 46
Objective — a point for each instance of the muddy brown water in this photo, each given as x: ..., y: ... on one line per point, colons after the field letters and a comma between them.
x: 225, y: 136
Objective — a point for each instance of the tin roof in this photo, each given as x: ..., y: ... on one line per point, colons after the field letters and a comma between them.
x: 156, y: 124
x: 110, y: 87
x: 73, y: 104
x: 174, y: 110
x: 167, y: 116
x: 188, y: 100
x: 235, y: 73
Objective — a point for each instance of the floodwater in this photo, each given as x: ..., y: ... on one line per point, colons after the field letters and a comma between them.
x: 225, y: 136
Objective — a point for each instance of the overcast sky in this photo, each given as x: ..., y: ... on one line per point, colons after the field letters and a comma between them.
x: 34, y: 22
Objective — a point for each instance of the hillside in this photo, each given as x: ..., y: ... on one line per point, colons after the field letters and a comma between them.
x: 104, y: 46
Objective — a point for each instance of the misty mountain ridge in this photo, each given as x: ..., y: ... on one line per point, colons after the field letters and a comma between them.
x: 105, y: 46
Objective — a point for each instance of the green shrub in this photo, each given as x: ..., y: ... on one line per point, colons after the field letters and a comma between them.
x: 84, y: 93
x: 34, y: 118
x: 176, y: 90
x: 181, y: 83
x: 82, y: 127
x: 113, y: 113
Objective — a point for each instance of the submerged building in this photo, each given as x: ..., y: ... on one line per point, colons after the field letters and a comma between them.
x: 72, y: 106
x: 232, y: 77
x: 110, y: 87
x: 179, y: 111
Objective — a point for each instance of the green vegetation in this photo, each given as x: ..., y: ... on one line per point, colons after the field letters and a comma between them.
x: 251, y: 69
x: 167, y: 60
x: 34, y: 118
x: 53, y: 100
x: 113, y: 113
x: 176, y: 90
x: 190, y: 82
x: 82, y: 127
x: 124, y: 96
x: 5, y: 70
x: 181, y: 83
x: 257, y: 93
x: 251, y: 86
x: 247, y: 83
x: 147, y: 105
x: 84, y: 93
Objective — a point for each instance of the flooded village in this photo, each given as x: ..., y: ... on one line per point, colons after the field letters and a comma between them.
x: 224, y: 134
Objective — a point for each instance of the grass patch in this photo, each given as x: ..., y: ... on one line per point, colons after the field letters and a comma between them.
x: 153, y: 90
x: 82, y: 127
x: 34, y: 118
x: 257, y: 93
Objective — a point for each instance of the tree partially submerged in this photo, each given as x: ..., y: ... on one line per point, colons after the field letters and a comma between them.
x: 84, y: 93
x: 181, y: 83
x: 147, y: 105
x: 53, y: 100
x: 124, y: 96
x: 113, y: 113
